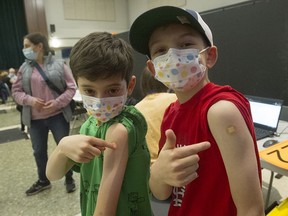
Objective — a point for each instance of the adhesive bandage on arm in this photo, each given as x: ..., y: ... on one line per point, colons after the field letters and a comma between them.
x: 231, y: 129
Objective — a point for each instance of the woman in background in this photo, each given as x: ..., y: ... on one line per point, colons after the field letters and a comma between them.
x: 43, y: 108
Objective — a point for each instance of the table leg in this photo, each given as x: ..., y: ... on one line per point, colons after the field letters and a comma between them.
x: 269, y: 189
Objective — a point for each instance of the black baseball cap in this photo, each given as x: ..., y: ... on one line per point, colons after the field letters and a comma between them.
x: 146, y: 23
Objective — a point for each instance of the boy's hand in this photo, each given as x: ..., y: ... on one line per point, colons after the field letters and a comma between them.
x: 82, y: 148
x: 177, y: 166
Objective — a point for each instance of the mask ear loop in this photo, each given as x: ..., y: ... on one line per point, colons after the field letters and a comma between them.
x: 203, y: 67
x: 203, y: 50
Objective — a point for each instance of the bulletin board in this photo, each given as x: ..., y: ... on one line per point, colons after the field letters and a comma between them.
x: 97, y: 10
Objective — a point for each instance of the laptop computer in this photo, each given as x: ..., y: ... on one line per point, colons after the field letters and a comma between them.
x: 265, y: 115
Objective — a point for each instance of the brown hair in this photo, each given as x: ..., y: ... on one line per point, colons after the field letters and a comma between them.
x: 101, y: 55
x: 37, y: 38
x: 150, y: 85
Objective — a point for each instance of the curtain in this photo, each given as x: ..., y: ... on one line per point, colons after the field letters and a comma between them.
x: 13, y: 28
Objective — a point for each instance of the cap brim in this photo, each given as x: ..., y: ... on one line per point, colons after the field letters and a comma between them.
x: 146, y: 23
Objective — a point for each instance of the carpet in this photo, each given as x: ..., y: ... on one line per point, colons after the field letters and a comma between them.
x: 10, y: 135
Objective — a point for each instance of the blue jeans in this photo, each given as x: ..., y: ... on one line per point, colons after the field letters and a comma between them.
x: 39, y: 136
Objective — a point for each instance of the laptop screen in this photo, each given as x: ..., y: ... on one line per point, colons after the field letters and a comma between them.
x: 265, y: 111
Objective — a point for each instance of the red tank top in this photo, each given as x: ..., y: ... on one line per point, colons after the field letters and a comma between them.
x: 209, y: 194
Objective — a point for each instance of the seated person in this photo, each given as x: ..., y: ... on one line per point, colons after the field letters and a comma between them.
x: 4, y: 92
x: 12, y: 77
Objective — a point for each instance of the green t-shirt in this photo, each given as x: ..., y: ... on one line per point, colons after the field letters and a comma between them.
x: 134, y: 198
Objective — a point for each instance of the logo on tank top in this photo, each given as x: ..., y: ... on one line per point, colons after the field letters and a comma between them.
x: 178, y: 192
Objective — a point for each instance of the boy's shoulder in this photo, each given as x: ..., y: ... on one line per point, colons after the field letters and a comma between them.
x: 133, y: 115
x: 133, y: 121
x: 130, y: 117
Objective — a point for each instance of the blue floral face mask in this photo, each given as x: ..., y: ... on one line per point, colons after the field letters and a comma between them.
x: 179, y: 69
x: 29, y: 53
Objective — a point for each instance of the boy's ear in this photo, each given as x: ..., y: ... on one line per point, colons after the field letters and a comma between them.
x: 150, y: 67
x: 131, y: 85
x: 212, y: 56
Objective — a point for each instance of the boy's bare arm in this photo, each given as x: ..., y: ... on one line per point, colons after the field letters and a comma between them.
x: 58, y: 164
x: 115, y: 162
x: 237, y: 149
x: 78, y: 148
x: 174, y: 166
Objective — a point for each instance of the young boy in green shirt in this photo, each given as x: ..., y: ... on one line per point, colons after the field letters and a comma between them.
x: 114, y: 181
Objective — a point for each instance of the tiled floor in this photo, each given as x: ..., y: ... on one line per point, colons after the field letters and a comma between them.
x: 18, y: 172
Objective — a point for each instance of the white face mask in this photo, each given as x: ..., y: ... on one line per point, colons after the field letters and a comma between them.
x: 29, y: 53
x: 104, y: 109
x: 179, y: 69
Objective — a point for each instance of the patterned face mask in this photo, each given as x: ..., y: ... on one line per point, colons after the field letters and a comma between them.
x: 103, y: 109
x: 179, y: 69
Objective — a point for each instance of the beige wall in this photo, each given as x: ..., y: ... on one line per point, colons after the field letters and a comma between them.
x: 69, y: 32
